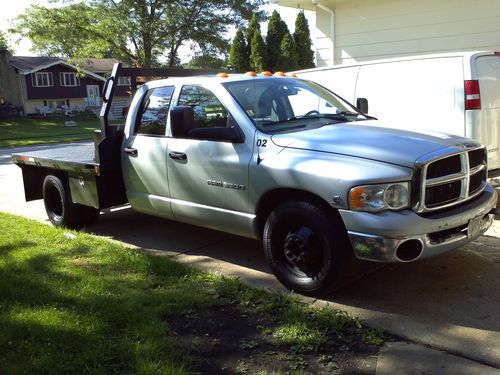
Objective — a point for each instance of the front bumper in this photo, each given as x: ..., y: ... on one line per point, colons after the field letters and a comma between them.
x: 406, y: 236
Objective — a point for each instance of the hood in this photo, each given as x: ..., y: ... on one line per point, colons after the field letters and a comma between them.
x: 371, y: 141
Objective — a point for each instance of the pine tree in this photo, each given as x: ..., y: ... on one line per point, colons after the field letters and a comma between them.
x: 238, y: 55
x: 302, y: 37
x: 276, y: 29
x: 250, y: 30
x: 288, y: 54
x: 257, y: 52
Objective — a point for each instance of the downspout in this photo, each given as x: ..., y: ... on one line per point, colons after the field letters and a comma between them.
x: 332, y: 27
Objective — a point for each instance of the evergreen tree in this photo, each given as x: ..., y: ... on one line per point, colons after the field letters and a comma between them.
x: 252, y: 26
x: 288, y: 54
x: 238, y: 55
x: 302, y: 37
x: 276, y: 29
x: 257, y: 52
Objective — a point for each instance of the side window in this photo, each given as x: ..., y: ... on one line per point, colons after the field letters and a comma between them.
x: 208, y: 110
x: 152, y: 116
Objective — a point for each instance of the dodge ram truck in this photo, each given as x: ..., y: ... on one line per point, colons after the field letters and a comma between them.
x: 274, y: 158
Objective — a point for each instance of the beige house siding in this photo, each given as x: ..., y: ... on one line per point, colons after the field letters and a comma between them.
x: 368, y: 30
x: 374, y: 29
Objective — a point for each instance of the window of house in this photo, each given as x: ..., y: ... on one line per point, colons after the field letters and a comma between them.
x: 123, y: 81
x: 42, y: 79
x: 69, y: 79
x: 153, y: 112
x: 208, y: 110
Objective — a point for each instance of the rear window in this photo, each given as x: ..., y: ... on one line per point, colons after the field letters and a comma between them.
x: 488, y: 71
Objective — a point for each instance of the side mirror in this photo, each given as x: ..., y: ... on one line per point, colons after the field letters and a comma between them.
x: 181, y: 121
x: 362, y: 105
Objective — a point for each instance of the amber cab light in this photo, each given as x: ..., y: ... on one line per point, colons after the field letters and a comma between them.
x: 222, y: 75
x: 266, y: 73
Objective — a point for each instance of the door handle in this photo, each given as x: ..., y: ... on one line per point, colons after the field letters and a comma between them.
x: 131, y: 151
x: 177, y: 155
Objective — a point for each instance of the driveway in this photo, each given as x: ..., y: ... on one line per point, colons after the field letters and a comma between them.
x: 451, y: 302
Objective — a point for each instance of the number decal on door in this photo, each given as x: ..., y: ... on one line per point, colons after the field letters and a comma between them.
x: 261, y: 142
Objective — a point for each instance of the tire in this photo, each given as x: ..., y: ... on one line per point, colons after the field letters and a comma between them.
x: 305, y: 246
x: 62, y: 212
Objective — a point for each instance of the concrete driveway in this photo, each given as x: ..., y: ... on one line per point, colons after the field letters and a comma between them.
x: 450, y: 303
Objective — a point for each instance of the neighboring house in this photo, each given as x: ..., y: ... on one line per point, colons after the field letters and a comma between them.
x: 46, y: 85
x: 350, y: 31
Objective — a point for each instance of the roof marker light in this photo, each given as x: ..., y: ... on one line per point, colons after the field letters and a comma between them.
x: 280, y: 74
x: 266, y: 73
x: 251, y: 74
x: 222, y: 75
x: 293, y: 75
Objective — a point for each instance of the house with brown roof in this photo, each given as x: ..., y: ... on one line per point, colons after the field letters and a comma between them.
x: 46, y: 85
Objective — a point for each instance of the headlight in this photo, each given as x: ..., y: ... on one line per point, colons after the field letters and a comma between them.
x: 376, y: 198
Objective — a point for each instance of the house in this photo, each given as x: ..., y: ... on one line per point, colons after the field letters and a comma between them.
x: 46, y: 85
x: 349, y: 31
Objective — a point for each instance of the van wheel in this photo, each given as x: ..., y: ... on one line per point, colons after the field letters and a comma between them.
x: 304, y: 246
x: 62, y: 212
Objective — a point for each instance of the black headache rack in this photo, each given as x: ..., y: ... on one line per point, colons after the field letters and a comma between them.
x: 108, y: 140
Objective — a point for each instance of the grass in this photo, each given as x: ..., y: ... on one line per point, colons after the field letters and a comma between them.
x: 81, y: 304
x: 22, y: 131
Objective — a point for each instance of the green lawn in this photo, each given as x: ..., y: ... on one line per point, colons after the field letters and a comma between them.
x: 28, y: 131
x: 73, y: 303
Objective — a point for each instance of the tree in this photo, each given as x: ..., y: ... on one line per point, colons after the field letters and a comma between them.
x: 4, y: 44
x: 206, y: 62
x: 250, y: 30
x: 140, y: 32
x: 257, y: 52
x: 302, y: 37
x: 287, y: 59
x: 238, y: 55
x: 276, y: 29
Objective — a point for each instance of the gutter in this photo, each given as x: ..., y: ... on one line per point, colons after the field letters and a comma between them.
x: 332, y: 26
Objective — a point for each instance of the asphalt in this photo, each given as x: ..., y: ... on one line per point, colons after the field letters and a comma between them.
x: 444, y: 309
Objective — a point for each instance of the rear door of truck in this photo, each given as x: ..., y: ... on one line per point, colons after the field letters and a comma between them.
x: 484, y: 105
x: 145, y: 148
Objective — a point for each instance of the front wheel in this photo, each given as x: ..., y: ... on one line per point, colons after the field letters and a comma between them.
x: 305, y: 246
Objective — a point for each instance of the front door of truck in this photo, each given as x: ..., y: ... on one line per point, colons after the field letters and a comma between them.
x: 144, y: 154
x: 208, y: 179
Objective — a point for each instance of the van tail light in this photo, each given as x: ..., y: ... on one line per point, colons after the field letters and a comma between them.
x: 472, y: 96
x: 497, y: 53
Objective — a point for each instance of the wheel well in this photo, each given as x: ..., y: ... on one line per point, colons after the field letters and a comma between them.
x: 273, y: 198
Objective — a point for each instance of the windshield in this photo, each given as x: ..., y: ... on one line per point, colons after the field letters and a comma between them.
x: 283, y: 104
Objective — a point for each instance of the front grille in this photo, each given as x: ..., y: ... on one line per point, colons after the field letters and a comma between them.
x: 445, y: 181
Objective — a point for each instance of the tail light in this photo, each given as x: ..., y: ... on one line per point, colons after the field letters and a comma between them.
x: 472, y: 96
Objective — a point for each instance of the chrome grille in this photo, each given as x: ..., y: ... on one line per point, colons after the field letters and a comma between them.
x: 443, y: 181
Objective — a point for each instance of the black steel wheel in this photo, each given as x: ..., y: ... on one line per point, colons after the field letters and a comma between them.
x: 304, y: 245
x: 62, y: 212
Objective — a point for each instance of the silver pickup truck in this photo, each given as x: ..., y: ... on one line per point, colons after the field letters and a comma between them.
x: 274, y: 158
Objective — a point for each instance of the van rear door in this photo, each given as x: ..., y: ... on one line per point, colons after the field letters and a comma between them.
x: 485, y: 122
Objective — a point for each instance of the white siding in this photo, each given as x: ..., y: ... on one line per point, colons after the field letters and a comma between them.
x: 368, y: 30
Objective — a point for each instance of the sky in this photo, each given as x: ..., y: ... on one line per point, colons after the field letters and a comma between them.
x: 22, y: 47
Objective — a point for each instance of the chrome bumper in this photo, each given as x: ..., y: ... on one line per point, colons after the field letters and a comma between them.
x: 405, y: 236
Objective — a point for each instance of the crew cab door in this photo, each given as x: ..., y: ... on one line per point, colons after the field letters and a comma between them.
x: 144, y: 153
x: 208, y: 179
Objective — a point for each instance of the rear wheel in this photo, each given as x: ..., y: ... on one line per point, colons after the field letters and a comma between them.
x: 62, y: 212
x: 305, y: 247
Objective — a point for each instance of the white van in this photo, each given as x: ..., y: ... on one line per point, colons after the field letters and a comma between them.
x: 456, y: 93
